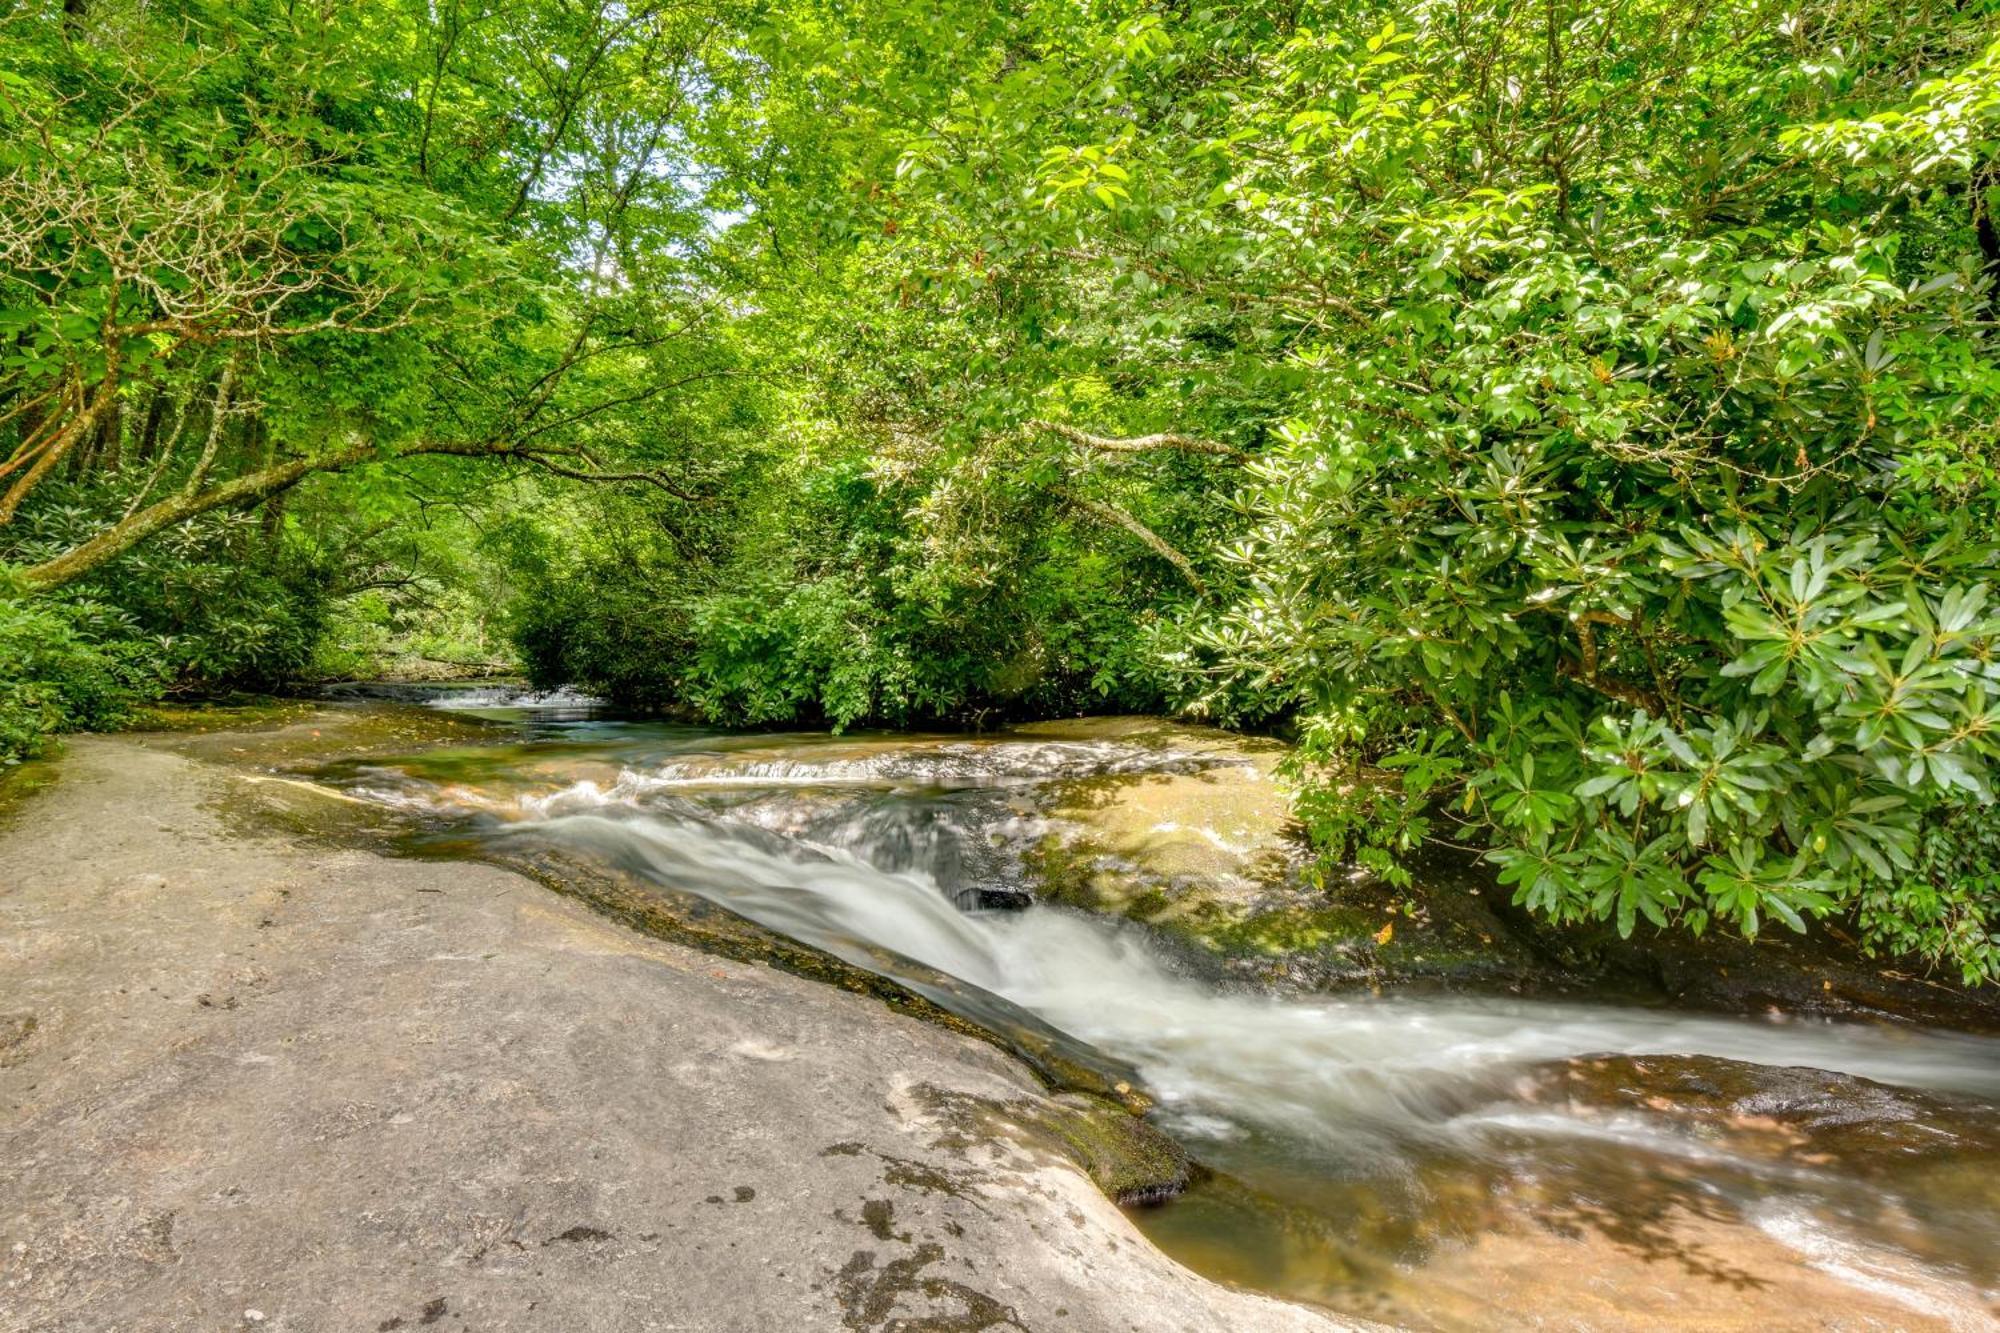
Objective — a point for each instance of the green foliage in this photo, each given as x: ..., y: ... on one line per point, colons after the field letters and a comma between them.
x: 1672, y: 525
x: 1614, y: 390
x: 65, y: 668
x: 219, y: 603
x: 831, y: 605
x: 807, y: 651
x: 1576, y: 423
x: 216, y: 605
x: 605, y: 626
x: 1948, y: 910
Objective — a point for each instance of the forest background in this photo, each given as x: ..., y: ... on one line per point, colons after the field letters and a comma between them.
x: 1576, y: 425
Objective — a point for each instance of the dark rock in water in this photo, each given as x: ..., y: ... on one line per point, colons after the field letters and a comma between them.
x: 1002, y: 900
x: 1821, y: 972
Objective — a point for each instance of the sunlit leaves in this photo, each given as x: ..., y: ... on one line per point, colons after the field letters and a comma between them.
x: 1606, y: 495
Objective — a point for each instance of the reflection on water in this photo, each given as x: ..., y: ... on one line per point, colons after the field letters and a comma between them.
x: 1441, y: 1161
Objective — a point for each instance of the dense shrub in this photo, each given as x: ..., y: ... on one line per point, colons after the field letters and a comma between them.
x: 1947, y: 911
x: 1651, y: 546
x: 608, y: 626
x: 834, y: 609
x: 217, y: 604
x: 65, y: 667
x: 225, y: 601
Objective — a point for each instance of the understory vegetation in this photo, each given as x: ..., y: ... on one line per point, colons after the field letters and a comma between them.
x: 1577, y: 425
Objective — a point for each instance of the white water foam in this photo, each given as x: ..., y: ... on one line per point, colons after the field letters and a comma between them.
x: 1317, y: 1070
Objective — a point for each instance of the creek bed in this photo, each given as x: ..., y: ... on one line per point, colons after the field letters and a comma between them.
x: 1443, y: 1161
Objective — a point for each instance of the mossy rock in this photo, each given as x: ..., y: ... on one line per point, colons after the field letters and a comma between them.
x: 1130, y: 1160
x: 1133, y: 1162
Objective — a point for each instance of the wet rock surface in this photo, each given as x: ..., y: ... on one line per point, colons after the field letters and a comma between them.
x: 1184, y: 828
x: 1781, y: 1113
x: 1204, y: 848
x: 249, y: 1082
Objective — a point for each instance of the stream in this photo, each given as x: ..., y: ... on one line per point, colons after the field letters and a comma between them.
x: 1439, y: 1161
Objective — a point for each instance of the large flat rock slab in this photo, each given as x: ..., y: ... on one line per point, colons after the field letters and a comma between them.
x: 251, y: 1084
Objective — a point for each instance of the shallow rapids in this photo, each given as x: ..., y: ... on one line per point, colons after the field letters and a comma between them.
x: 1350, y: 1131
x: 1343, y: 1075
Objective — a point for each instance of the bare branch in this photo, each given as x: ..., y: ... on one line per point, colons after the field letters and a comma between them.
x: 1137, y: 444
x: 1112, y: 514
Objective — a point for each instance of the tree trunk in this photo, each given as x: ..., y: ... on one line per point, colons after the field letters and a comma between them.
x: 1985, y: 185
x: 150, y: 432
x: 248, y: 489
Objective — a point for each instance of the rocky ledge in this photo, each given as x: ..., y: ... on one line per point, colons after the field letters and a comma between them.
x: 1202, y: 847
x: 250, y: 1081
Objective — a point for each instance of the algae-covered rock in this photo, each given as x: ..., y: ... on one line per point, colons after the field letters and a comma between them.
x: 1132, y: 1161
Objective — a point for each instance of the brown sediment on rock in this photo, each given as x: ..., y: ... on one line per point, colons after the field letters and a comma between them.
x: 1809, y: 1117
x: 1130, y: 1159
x: 1207, y: 851
x: 23, y: 780
x: 15, y: 1032
x: 870, y: 1295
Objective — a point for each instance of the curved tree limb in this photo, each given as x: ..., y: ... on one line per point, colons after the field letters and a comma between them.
x: 262, y: 484
x: 1137, y: 444
x: 1159, y: 545
x: 50, y: 451
x: 548, y: 464
x: 134, y: 528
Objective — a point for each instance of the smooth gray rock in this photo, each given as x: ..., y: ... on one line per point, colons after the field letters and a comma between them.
x: 248, y: 1084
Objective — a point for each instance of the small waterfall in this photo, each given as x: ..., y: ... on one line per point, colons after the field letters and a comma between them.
x: 1345, y: 1074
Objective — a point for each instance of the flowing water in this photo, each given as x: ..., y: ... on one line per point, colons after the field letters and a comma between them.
x: 1452, y: 1162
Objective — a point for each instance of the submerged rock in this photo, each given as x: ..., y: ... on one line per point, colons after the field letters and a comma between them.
x: 1794, y: 1114
x: 1821, y: 972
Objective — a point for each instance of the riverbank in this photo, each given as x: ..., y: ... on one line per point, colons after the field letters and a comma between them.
x: 258, y: 1082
